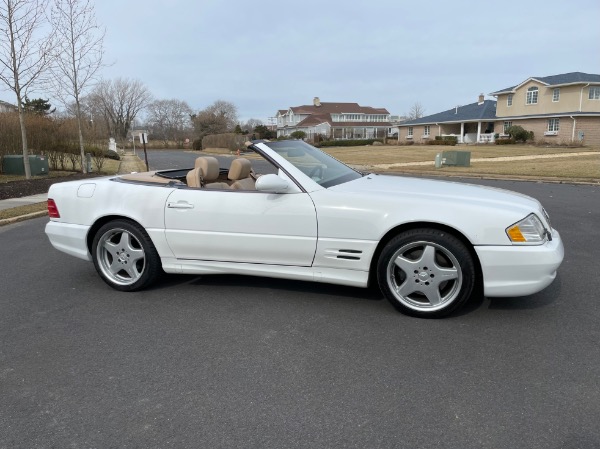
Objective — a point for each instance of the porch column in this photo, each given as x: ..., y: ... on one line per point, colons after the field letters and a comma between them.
x: 462, y: 132
x: 478, y: 131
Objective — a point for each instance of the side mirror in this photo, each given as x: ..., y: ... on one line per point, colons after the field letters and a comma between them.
x: 271, y: 183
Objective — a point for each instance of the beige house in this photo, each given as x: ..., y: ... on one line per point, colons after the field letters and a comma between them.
x: 560, y: 108
x: 334, y: 120
x: 471, y: 123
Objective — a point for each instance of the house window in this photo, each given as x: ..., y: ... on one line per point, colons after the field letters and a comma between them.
x: 506, y: 126
x: 594, y: 93
x: 426, y: 131
x: 556, y: 94
x: 410, y: 131
x: 509, y: 100
x: 532, y: 95
x: 553, y: 125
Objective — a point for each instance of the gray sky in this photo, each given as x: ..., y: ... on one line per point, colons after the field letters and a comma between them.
x: 269, y: 55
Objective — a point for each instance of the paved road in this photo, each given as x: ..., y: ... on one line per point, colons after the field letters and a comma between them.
x: 235, y: 362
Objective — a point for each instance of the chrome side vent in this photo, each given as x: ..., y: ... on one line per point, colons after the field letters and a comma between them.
x: 346, y: 254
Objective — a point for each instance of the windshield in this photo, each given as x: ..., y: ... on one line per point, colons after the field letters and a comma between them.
x: 319, y: 166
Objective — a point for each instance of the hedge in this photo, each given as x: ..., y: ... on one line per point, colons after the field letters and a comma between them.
x: 349, y: 143
x: 449, y: 142
x: 230, y: 141
x: 505, y: 141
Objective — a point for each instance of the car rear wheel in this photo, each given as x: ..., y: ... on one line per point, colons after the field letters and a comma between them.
x: 426, y: 273
x: 124, y: 256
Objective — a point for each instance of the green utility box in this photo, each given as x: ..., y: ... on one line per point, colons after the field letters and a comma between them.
x: 12, y: 164
x: 456, y: 158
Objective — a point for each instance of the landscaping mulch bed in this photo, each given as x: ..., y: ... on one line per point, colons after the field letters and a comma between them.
x: 26, y: 187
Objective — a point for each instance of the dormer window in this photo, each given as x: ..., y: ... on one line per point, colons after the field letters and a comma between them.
x: 532, y: 95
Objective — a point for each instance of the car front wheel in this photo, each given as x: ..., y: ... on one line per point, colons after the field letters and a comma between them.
x: 124, y: 256
x: 426, y: 272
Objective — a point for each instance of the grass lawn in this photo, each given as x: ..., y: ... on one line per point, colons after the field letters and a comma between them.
x: 373, y: 155
x: 583, y: 167
x: 23, y: 210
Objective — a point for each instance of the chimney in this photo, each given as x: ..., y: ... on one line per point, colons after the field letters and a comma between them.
x: 480, y: 99
x: 316, y: 101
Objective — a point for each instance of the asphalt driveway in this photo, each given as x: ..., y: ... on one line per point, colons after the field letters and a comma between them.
x: 231, y: 361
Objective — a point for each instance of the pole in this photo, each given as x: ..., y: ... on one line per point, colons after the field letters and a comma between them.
x: 145, y: 153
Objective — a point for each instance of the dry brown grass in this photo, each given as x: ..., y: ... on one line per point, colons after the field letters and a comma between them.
x: 583, y: 167
x: 374, y: 155
x: 23, y: 210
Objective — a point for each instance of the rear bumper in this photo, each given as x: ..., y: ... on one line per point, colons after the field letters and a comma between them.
x: 69, y: 238
x: 519, y: 270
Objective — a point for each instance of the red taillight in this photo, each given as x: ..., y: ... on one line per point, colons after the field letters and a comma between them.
x: 52, y: 209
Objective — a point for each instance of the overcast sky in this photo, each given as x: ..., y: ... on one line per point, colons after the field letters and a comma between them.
x: 269, y: 55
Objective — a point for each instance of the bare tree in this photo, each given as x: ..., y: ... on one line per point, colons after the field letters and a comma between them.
x: 78, y: 54
x: 119, y: 102
x: 416, y: 111
x: 24, y: 54
x: 251, y: 124
x: 220, y: 117
x: 169, y: 120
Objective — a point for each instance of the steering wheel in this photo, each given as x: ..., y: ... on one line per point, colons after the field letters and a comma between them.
x: 317, y: 169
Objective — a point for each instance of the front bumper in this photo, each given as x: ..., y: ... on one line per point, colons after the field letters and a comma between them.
x: 519, y: 270
x: 69, y: 238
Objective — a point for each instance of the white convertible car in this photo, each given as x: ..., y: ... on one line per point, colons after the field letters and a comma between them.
x: 430, y: 245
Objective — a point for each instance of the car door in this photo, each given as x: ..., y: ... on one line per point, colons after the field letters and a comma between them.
x: 241, y: 226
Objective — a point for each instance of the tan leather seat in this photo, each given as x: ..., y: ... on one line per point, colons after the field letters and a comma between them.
x: 205, y: 172
x: 194, y: 178
x: 239, y: 172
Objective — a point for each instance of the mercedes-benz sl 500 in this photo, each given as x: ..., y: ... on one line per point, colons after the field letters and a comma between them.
x: 291, y: 211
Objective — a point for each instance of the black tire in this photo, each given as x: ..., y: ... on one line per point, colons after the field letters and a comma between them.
x: 426, y: 273
x: 125, y: 257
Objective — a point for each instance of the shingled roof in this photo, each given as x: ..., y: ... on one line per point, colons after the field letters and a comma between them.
x: 556, y: 80
x: 337, y: 108
x: 469, y: 113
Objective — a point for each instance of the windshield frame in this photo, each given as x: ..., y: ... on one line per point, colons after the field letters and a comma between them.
x: 318, y: 160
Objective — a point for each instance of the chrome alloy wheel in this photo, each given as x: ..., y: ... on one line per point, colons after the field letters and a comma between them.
x: 120, y: 256
x: 424, y: 276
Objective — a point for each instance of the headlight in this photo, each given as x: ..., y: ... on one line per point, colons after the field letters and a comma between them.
x: 528, y: 230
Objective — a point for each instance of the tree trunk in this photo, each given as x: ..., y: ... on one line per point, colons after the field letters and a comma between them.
x: 24, y: 139
x: 82, y: 150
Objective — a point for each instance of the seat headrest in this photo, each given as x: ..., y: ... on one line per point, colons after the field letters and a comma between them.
x: 209, y: 167
x: 194, y: 178
x: 240, y: 169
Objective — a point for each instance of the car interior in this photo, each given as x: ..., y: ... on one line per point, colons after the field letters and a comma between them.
x: 206, y: 174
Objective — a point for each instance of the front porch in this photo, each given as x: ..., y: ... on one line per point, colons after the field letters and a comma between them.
x: 469, y: 132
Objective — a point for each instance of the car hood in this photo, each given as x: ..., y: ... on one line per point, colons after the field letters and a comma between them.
x: 447, y: 191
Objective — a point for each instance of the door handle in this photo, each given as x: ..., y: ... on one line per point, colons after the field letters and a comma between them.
x: 180, y: 205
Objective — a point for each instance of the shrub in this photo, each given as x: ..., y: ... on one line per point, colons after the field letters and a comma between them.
x: 298, y: 135
x: 197, y: 145
x: 349, y: 143
x: 519, y: 134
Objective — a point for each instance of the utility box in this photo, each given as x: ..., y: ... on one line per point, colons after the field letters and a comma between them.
x: 456, y: 158
x: 12, y: 164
